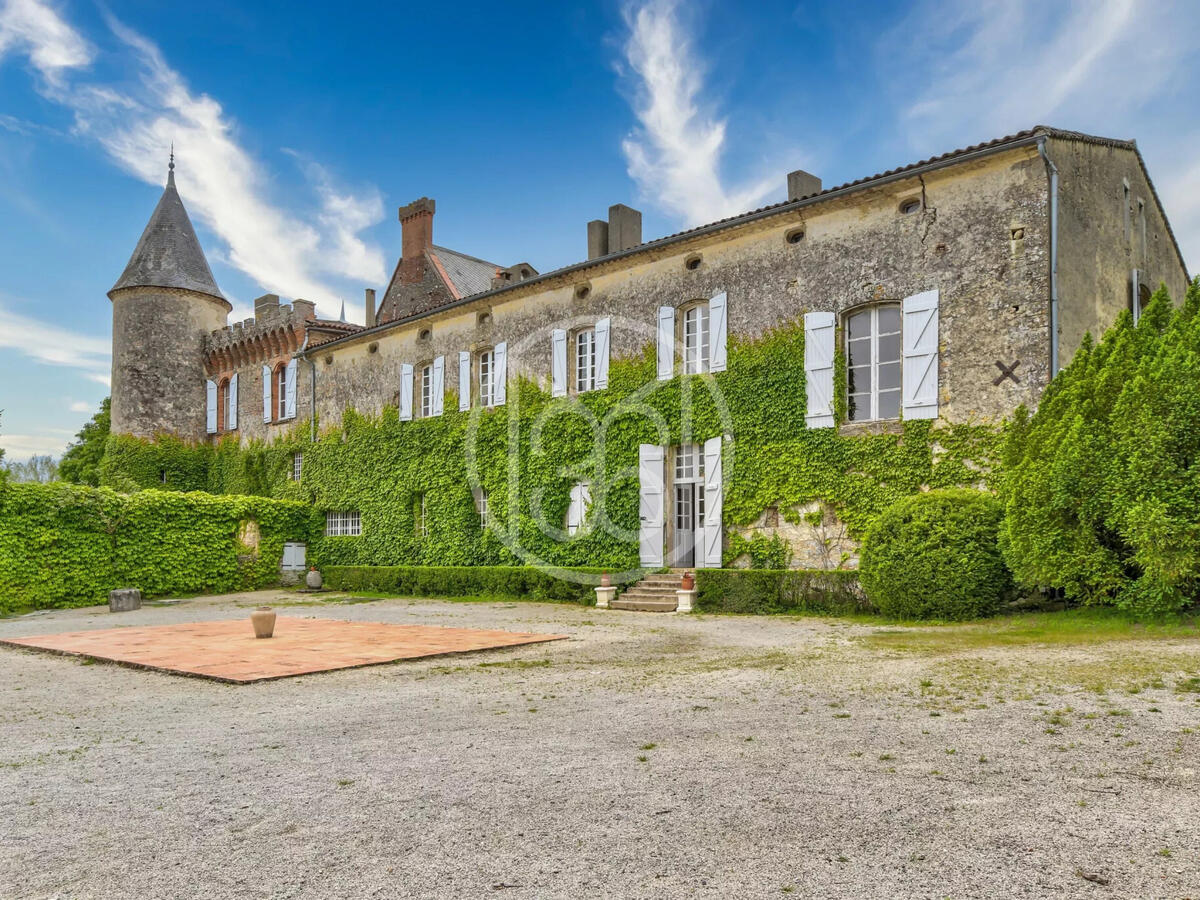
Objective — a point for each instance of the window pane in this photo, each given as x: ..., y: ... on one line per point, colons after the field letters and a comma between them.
x: 860, y: 380
x: 860, y: 407
x: 889, y: 376
x: 858, y: 352
x: 889, y: 319
x: 889, y: 347
x: 859, y: 325
x: 889, y: 404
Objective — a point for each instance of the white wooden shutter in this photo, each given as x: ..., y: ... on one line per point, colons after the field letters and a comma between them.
x: 406, y: 392
x: 211, y: 406
x: 718, y: 331
x: 558, y: 363
x: 577, y: 507
x: 650, y: 505
x: 603, y: 332
x: 439, y: 384
x: 464, y: 380
x: 818, y: 369
x: 266, y: 373
x: 714, y: 501
x: 232, y: 401
x: 289, y: 392
x: 920, y: 340
x: 666, y: 343
x: 499, y: 373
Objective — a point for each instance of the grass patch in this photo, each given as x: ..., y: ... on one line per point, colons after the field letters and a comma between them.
x: 1075, y: 627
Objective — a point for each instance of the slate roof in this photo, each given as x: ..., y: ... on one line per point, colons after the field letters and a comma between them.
x: 467, y: 274
x: 168, y: 253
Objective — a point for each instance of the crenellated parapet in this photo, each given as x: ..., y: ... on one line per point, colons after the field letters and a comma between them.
x: 276, y: 332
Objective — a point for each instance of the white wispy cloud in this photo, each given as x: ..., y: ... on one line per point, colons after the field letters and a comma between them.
x: 675, y: 153
x: 79, y: 406
x: 54, y: 345
x: 289, y: 251
x: 48, y: 442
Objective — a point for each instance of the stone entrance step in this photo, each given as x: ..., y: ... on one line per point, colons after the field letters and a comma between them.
x: 654, y: 593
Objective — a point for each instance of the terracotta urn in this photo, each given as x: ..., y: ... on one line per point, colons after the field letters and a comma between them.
x: 605, y: 580
x: 314, y: 579
x: 687, y: 582
x: 263, y: 620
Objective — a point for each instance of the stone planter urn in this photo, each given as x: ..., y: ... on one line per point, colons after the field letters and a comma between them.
x: 688, y: 582
x: 605, y: 580
x: 313, y: 579
x: 263, y: 620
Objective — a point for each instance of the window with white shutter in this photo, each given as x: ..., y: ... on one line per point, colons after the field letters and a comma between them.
x: 819, y: 329
x: 558, y: 363
x: 719, y: 332
x: 873, y: 370
x: 577, y: 507
x: 500, y: 378
x: 231, y: 404
x: 464, y: 380
x: 603, y: 339
x: 290, y: 390
x: 585, y: 360
x: 920, y: 375
x: 406, y: 392
x: 666, y: 343
x: 210, y: 406
x: 266, y: 393
x: 439, y: 384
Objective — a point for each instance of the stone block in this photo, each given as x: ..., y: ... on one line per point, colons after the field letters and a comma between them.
x: 124, y: 600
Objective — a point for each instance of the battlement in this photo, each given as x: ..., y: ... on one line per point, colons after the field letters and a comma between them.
x: 276, y: 331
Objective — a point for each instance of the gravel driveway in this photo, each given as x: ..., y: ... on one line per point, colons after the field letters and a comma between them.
x: 648, y: 756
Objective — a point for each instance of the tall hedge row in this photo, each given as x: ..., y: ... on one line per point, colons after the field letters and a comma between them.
x: 68, y: 545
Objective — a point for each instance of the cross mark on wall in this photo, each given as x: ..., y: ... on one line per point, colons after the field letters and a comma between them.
x: 1006, y: 372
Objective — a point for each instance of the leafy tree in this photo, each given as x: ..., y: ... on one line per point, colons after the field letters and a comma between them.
x: 1102, y: 484
x: 40, y: 469
x: 81, y: 462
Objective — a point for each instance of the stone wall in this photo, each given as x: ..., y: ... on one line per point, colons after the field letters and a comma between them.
x: 158, y: 360
x: 1100, y: 238
x: 855, y: 249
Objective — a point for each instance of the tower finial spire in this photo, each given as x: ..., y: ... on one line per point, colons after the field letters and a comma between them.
x: 171, y: 167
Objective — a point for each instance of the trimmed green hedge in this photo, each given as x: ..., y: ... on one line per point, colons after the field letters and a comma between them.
x: 69, y: 545
x: 937, y: 556
x: 768, y: 591
x: 518, y: 582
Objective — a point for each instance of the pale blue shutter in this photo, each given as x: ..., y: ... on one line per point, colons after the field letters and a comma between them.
x: 499, y: 374
x: 603, y: 332
x: 231, y: 412
x: 718, y: 330
x: 464, y: 380
x: 666, y: 343
x: 819, y: 330
x: 651, y: 514
x: 211, y: 406
x: 919, y: 379
x: 712, y: 535
x: 558, y: 363
x: 439, y: 384
x: 289, y: 393
x: 406, y: 392
x: 266, y: 393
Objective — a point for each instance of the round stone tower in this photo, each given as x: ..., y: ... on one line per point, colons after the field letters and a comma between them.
x: 164, y: 304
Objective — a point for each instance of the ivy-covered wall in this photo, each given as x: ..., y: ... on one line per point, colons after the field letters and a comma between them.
x: 69, y: 545
x: 382, y: 467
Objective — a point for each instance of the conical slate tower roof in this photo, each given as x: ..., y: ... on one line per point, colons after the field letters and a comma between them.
x: 168, y: 254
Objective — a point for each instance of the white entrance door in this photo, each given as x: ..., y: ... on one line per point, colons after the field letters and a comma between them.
x: 687, y: 505
x: 650, y: 505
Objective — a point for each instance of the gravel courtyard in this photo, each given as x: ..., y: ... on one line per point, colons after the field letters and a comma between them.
x: 647, y: 756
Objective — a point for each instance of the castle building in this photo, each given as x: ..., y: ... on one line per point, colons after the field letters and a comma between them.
x: 953, y: 289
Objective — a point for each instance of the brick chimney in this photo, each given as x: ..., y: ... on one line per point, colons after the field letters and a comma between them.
x: 416, y: 225
x: 369, y: 307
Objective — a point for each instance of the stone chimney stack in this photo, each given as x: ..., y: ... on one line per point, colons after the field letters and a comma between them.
x: 265, y: 307
x: 416, y: 225
x: 622, y: 231
x: 369, y: 308
x: 802, y: 184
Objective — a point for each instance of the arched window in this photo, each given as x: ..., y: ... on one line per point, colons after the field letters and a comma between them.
x: 873, y: 362
x: 223, y: 405
x: 280, y: 385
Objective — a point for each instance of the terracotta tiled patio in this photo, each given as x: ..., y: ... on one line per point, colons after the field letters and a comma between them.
x: 228, y: 650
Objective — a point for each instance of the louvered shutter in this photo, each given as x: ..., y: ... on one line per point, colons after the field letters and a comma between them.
x: 289, y: 392
x: 211, y: 406
x: 818, y: 369
x: 439, y: 384
x: 558, y: 363
x: 666, y: 343
x: 718, y: 330
x: 712, y: 535
x: 920, y: 341
x: 650, y: 505
x: 266, y: 392
x: 464, y: 380
x: 603, y: 332
x: 406, y: 392
x: 232, y: 401
x: 500, y: 374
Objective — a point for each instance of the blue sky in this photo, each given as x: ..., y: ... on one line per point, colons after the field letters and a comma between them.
x: 300, y: 129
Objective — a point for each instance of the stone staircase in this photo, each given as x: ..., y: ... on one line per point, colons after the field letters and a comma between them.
x: 654, y: 593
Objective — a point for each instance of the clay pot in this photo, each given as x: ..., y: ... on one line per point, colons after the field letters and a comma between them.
x: 605, y: 580
x: 687, y: 582
x: 313, y: 579
x: 263, y: 620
